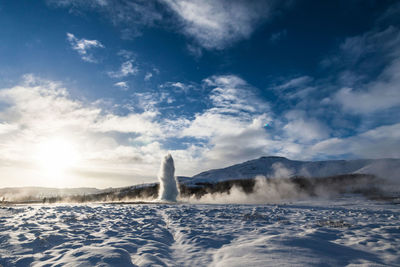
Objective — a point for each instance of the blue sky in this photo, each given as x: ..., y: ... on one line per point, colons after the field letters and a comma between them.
x: 95, y: 92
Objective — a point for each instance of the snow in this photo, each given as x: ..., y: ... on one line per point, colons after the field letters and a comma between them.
x: 347, y: 231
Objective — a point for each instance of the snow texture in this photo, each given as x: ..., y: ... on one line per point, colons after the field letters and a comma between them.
x: 349, y: 231
x: 168, y: 183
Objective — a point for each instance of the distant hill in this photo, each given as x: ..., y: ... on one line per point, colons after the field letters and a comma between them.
x: 280, y: 167
x: 33, y: 193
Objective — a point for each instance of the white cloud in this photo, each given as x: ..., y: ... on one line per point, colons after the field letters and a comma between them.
x: 156, y: 70
x: 304, y: 129
x: 46, y: 108
x: 6, y: 128
x: 133, y: 123
x: 382, y: 93
x: 232, y: 94
x: 148, y: 101
x: 277, y: 36
x: 380, y: 142
x: 129, y: 16
x: 126, y: 54
x: 128, y: 147
x: 212, y: 24
x: 195, y: 50
x: 83, y: 47
x: 378, y: 95
x: 179, y: 87
x: 37, y: 104
x: 219, y: 23
x: 148, y: 76
x: 232, y: 126
x: 37, y: 110
x: 123, y: 85
x: 126, y: 69
x: 295, y: 82
x: 184, y: 87
x: 295, y: 88
x: 232, y: 129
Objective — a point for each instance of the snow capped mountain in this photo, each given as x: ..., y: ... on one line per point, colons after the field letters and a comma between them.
x: 280, y: 167
x: 386, y: 168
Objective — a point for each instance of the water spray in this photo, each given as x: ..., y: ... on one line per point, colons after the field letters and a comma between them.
x: 168, y: 183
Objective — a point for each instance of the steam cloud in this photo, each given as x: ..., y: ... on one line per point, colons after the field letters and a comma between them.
x: 279, y: 187
x: 264, y: 191
x: 273, y: 189
x: 168, y: 183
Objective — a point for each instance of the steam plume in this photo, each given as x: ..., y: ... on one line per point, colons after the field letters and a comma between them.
x: 168, y: 184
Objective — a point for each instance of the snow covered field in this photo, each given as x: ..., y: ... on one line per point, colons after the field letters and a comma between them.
x: 347, y: 231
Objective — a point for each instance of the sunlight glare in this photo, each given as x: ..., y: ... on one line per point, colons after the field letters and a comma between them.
x: 56, y: 156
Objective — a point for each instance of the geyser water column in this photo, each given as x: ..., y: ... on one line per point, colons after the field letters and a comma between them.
x: 168, y: 184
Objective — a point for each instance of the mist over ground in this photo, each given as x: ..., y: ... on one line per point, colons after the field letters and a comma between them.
x: 264, y: 180
x: 260, y: 190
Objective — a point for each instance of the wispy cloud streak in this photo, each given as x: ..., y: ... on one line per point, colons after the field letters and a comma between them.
x: 84, y: 47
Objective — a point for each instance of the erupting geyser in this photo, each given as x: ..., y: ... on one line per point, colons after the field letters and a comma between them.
x: 168, y: 184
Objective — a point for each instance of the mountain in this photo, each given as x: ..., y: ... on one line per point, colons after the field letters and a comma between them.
x: 280, y: 167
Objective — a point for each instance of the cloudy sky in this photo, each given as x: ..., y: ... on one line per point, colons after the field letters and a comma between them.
x: 95, y: 92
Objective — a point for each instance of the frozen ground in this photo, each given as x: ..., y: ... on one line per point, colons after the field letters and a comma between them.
x: 347, y: 231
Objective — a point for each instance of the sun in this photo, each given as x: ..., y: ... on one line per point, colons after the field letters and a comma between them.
x: 56, y: 156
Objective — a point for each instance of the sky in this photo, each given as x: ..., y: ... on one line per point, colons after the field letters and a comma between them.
x: 95, y: 92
